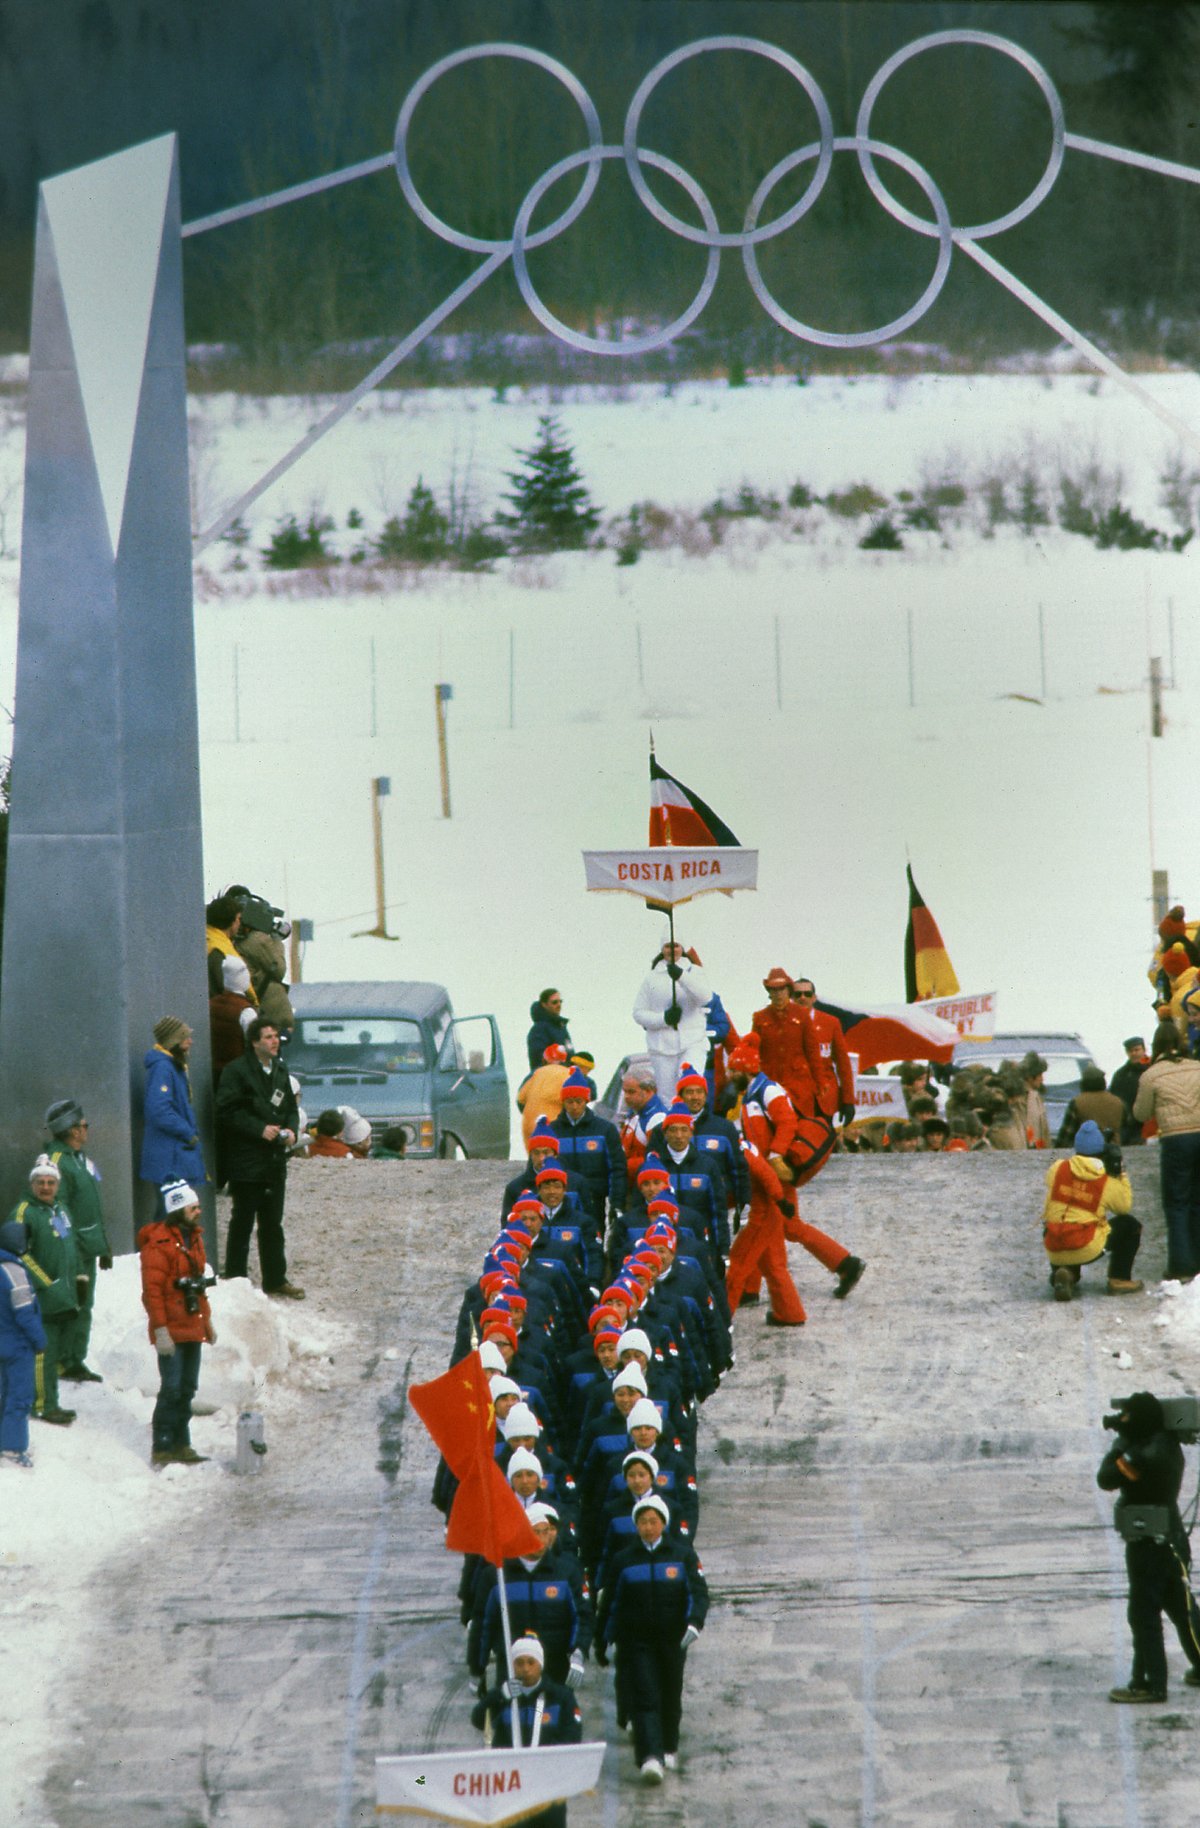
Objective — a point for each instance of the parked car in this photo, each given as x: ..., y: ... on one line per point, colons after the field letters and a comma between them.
x: 399, y: 1055
x: 611, y: 1103
x: 1065, y: 1057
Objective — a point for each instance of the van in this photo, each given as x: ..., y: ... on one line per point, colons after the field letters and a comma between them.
x: 1065, y: 1055
x: 399, y: 1055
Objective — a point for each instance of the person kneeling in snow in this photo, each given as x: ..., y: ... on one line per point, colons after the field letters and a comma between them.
x: 173, y: 1294
x: 1087, y: 1211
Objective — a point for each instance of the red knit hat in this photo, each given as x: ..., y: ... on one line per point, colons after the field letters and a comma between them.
x: 575, y: 1085
x: 652, y: 1169
x: 744, y: 1058
x: 555, y: 1054
x: 551, y: 1172
x: 1175, y: 960
x: 499, y: 1327
x: 689, y: 1076
x: 678, y: 1113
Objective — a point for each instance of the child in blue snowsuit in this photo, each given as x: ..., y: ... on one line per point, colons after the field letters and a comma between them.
x: 22, y: 1337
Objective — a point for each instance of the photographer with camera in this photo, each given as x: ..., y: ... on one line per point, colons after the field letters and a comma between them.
x: 174, y: 1281
x: 258, y: 1122
x: 1144, y: 1466
x: 1087, y: 1212
x: 259, y: 940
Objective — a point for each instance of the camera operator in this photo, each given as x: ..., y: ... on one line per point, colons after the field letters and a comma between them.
x: 260, y: 940
x: 1144, y: 1466
x: 173, y: 1285
x: 1088, y: 1198
x: 258, y: 1121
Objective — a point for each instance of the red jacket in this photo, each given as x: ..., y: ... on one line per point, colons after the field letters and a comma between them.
x: 767, y: 1118
x: 166, y: 1257
x: 835, y: 1077
x: 790, y: 1052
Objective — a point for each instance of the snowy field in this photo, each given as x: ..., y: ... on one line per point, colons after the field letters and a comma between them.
x: 776, y: 675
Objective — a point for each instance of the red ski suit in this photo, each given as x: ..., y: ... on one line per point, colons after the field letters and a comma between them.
x: 835, y: 1076
x: 759, y: 1247
x: 769, y: 1121
x: 790, y: 1052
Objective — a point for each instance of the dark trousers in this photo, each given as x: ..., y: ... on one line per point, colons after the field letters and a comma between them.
x: 178, y: 1377
x: 1179, y: 1172
x: 261, y: 1203
x: 1158, y: 1583
x: 654, y: 1693
x: 16, y: 1400
x: 1124, y: 1236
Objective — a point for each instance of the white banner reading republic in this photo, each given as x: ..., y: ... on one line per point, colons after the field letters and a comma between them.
x: 973, y: 1016
x: 670, y: 873
x: 485, y: 1787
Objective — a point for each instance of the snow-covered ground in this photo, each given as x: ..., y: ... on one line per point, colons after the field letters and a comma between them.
x: 777, y: 675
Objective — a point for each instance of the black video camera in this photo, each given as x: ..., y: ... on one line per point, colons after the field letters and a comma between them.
x: 1181, y: 1417
x: 193, y: 1287
x: 261, y: 917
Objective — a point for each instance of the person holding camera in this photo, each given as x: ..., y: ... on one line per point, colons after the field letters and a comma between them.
x: 1144, y: 1466
x: 259, y: 939
x: 258, y: 1120
x: 1087, y: 1212
x: 174, y: 1281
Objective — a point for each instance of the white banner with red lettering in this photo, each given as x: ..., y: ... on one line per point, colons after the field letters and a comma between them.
x: 973, y: 1016
x: 670, y: 873
x: 492, y: 1787
x: 878, y: 1095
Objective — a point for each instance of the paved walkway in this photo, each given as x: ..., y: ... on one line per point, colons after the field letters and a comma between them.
x: 918, y: 1600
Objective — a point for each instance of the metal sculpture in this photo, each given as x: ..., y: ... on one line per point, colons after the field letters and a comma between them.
x: 103, y: 913
x: 104, y: 905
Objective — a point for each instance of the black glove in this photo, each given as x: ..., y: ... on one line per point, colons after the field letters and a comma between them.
x: 1113, y: 1160
x: 672, y: 1016
x: 675, y: 971
x: 104, y: 1262
x: 846, y: 1113
x: 786, y: 1208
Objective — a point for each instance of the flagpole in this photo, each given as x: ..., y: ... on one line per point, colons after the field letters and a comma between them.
x: 508, y: 1656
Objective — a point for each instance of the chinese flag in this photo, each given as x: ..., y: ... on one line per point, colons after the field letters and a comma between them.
x: 486, y: 1518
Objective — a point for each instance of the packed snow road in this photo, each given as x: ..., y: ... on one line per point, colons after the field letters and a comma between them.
x: 918, y: 1600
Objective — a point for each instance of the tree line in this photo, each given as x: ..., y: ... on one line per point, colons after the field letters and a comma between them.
x: 264, y: 96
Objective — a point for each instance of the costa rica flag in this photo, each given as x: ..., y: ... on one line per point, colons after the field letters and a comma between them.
x: 679, y: 816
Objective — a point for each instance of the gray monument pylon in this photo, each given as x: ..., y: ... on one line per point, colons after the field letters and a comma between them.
x: 104, y: 908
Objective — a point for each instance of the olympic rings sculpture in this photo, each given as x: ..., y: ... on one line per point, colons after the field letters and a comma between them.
x: 753, y: 233
x: 819, y: 152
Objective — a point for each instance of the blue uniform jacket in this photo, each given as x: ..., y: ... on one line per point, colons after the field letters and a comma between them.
x: 170, y: 1149
x: 21, y: 1328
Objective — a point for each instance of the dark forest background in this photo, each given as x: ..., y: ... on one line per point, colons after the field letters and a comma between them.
x: 266, y: 93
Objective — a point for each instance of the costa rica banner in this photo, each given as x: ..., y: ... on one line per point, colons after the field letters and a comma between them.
x: 974, y: 1015
x: 671, y: 874
x: 485, y: 1787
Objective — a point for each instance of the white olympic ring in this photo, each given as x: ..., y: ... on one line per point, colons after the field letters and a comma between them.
x: 856, y: 339
x: 821, y: 150
x: 978, y: 231
x: 712, y: 238
x: 475, y: 243
x: 575, y: 339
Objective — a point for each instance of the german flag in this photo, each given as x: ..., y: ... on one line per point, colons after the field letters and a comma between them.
x: 927, y: 968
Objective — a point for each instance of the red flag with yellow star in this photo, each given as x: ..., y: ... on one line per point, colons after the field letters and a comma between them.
x: 486, y: 1518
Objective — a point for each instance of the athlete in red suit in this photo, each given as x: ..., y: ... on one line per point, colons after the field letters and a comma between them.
x: 787, y: 1043
x: 835, y: 1075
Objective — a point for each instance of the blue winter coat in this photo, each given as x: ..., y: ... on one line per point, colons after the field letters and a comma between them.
x: 170, y: 1146
x: 21, y: 1328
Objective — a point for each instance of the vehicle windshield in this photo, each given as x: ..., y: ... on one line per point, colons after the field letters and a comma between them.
x: 358, y: 1044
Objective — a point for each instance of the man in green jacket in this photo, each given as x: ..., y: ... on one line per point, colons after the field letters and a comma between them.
x: 56, y: 1271
x: 79, y: 1192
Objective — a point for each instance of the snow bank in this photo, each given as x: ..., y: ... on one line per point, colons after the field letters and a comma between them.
x: 93, y: 1495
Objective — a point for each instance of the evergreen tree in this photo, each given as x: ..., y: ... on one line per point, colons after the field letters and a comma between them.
x: 551, y: 508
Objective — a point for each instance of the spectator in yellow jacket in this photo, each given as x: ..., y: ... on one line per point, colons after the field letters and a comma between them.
x: 1087, y: 1211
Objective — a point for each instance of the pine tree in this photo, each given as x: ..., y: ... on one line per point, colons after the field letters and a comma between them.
x: 551, y: 508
